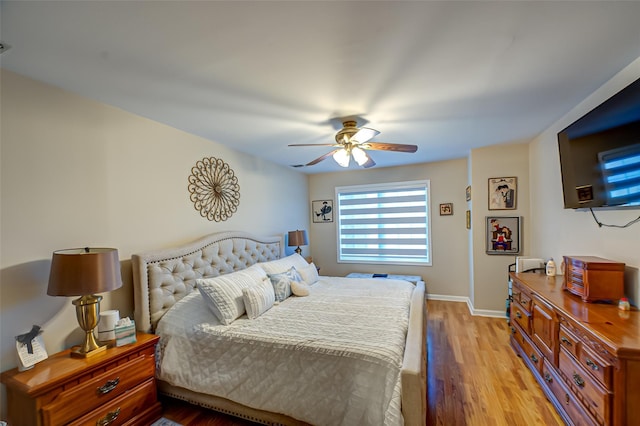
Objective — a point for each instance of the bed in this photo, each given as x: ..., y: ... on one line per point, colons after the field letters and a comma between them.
x: 278, y: 367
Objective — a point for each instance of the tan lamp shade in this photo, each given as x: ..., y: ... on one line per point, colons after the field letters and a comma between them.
x: 298, y: 238
x: 83, y: 271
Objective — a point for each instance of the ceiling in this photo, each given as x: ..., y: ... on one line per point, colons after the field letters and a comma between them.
x: 447, y: 76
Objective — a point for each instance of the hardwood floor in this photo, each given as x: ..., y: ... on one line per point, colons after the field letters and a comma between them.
x: 474, y: 377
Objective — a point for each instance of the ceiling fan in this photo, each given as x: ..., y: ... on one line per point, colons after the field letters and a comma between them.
x: 353, y: 141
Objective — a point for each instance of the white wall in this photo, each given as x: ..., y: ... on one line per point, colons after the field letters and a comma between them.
x: 560, y: 232
x: 490, y: 271
x: 449, y: 273
x: 77, y: 173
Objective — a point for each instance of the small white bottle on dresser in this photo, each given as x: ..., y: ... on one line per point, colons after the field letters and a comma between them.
x: 551, y: 268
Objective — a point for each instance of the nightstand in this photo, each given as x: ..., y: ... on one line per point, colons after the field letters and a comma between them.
x: 114, y: 388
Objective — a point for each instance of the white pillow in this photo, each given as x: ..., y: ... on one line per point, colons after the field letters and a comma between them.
x: 223, y: 294
x: 300, y: 288
x: 259, y: 298
x: 281, y: 265
x: 309, y: 274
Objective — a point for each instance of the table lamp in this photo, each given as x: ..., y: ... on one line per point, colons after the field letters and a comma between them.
x: 298, y: 238
x: 83, y: 272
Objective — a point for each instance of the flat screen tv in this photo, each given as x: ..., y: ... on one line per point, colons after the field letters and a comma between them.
x: 600, y: 154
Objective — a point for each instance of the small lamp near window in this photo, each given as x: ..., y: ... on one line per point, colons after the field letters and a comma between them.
x: 298, y: 238
x: 83, y: 272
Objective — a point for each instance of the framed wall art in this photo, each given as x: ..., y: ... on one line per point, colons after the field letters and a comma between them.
x: 503, y: 235
x: 446, y: 209
x: 467, y: 193
x: 468, y: 218
x: 322, y: 211
x: 502, y: 193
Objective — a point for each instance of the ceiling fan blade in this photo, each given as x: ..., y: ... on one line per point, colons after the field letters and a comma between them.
x: 322, y: 157
x: 369, y: 163
x: 382, y: 146
x: 313, y: 144
x: 364, y: 134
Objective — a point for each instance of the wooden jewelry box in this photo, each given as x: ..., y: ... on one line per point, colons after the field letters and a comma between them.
x: 593, y: 278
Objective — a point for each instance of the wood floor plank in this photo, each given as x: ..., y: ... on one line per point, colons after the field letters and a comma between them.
x: 474, y: 377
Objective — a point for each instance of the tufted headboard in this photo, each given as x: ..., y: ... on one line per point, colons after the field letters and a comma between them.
x: 162, y: 277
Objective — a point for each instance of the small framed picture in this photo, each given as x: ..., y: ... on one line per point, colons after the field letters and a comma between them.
x: 446, y: 209
x: 468, y: 193
x: 502, y: 193
x: 468, y: 219
x: 322, y: 211
x: 503, y: 235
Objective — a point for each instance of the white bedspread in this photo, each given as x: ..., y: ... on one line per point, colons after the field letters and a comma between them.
x: 332, y: 358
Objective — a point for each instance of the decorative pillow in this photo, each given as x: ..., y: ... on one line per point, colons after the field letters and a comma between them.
x: 223, y: 294
x: 300, y: 288
x: 259, y: 298
x: 281, y: 265
x: 309, y: 274
x: 282, y: 283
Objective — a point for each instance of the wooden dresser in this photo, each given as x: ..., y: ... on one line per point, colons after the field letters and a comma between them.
x: 585, y: 356
x: 117, y: 387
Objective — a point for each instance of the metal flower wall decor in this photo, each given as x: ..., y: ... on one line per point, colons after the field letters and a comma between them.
x: 214, y: 189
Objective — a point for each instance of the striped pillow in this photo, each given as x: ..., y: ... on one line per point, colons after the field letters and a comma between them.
x: 282, y: 283
x: 258, y: 299
x: 223, y: 294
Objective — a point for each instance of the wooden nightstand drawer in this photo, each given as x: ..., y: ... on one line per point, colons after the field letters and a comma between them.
x: 63, y: 389
x: 98, y: 390
x: 130, y: 408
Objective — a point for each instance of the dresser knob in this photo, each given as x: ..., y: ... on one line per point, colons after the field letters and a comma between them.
x: 566, y: 341
x: 578, y: 380
x: 109, y: 418
x: 109, y: 386
x: 593, y: 365
x: 534, y: 358
x: 547, y: 378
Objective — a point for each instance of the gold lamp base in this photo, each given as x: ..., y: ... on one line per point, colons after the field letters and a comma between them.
x: 88, y: 315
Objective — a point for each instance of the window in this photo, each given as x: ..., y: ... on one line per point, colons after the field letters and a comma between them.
x: 384, y: 223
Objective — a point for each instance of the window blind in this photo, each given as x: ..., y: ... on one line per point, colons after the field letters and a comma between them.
x: 385, y: 223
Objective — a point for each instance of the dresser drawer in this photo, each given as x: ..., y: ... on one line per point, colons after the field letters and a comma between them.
x: 533, y: 355
x: 593, y: 396
x: 521, y: 317
x: 98, y: 390
x: 128, y: 408
x: 569, y: 341
x: 565, y: 398
x: 522, y: 297
x: 595, y: 365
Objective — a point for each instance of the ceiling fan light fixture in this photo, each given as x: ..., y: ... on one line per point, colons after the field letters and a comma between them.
x: 342, y: 157
x: 359, y: 155
x: 364, y: 134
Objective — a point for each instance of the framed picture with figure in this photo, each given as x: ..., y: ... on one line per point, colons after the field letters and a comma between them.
x: 503, y: 235
x: 322, y: 211
x: 502, y: 193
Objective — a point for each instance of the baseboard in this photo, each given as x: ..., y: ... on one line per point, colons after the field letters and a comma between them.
x: 472, y: 310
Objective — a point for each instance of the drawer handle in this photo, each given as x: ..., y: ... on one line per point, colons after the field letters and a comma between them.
x: 566, y: 341
x: 566, y: 399
x: 109, y: 386
x: 518, y: 315
x: 578, y: 380
x: 548, y: 378
x: 513, y: 330
x: 593, y: 365
x: 534, y: 358
x: 109, y: 418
